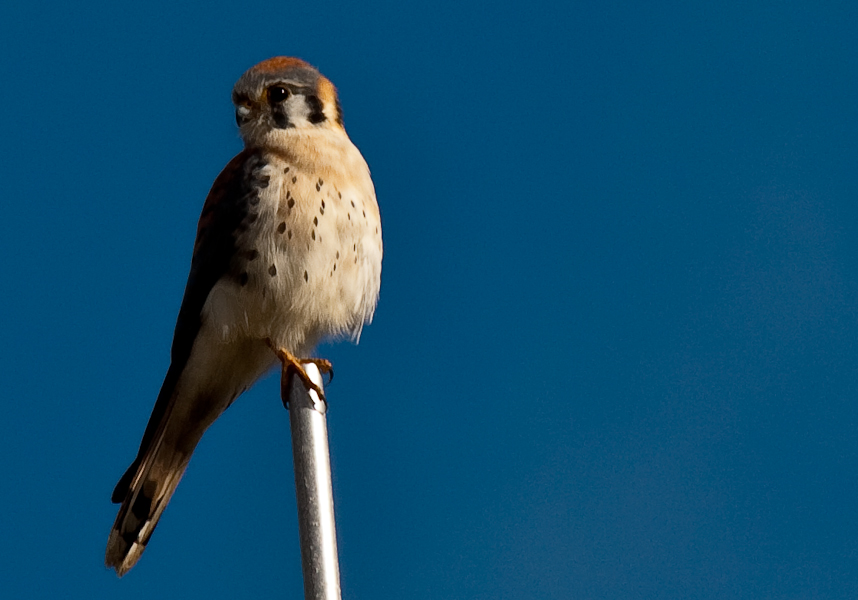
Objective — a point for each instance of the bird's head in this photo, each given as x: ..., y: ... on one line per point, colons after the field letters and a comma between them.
x: 284, y: 93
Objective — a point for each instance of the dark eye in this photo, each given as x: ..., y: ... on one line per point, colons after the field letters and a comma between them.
x: 277, y: 93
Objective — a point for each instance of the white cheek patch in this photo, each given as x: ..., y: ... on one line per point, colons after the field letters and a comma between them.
x: 242, y: 111
x: 298, y: 111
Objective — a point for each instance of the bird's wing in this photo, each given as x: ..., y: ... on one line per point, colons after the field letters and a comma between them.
x: 147, y: 485
x: 223, y: 212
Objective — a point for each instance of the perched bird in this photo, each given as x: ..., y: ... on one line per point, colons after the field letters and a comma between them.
x: 288, y: 252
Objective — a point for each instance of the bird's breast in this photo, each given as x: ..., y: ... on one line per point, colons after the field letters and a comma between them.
x: 308, y: 257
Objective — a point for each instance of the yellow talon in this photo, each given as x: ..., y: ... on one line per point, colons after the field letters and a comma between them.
x: 293, y: 364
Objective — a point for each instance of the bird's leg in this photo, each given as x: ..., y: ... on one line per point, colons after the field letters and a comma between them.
x: 292, y: 364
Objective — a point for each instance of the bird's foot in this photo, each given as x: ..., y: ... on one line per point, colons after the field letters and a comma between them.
x: 294, y: 365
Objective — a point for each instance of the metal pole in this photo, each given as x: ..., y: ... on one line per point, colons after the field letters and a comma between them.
x: 314, y: 492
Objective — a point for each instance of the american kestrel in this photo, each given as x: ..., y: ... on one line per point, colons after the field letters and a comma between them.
x: 288, y: 252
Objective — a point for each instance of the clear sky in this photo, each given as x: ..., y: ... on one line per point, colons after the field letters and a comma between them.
x: 615, y: 350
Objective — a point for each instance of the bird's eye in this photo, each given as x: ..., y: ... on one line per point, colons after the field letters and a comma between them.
x: 277, y: 93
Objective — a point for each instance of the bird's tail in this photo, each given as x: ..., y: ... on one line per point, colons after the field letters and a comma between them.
x: 144, y: 491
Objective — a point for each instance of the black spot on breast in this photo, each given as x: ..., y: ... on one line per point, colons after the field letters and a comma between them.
x: 353, y: 203
x: 338, y: 253
x: 291, y: 203
x: 339, y: 195
x: 313, y: 234
x: 321, y: 210
x: 272, y: 270
x: 315, y: 220
x: 323, y: 204
x: 306, y: 277
x: 289, y: 234
x: 318, y: 187
x: 282, y: 227
x: 294, y: 179
x: 286, y: 170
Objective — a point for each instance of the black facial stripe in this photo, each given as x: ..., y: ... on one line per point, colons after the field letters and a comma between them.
x: 281, y: 119
x: 339, y: 112
x: 315, y: 105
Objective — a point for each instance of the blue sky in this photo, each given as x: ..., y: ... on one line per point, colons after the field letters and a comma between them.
x: 614, y: 355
